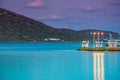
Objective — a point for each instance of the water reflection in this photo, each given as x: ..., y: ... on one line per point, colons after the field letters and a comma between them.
x: 98, y: 58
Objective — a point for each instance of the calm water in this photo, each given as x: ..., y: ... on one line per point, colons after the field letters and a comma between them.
x: 56, y: 61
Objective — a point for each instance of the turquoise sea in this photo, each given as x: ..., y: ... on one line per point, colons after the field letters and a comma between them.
x: 56, y: 61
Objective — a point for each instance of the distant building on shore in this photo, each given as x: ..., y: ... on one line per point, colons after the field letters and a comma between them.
x: 52, y: 39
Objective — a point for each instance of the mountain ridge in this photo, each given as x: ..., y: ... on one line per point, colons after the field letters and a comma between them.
x: 18, y: 28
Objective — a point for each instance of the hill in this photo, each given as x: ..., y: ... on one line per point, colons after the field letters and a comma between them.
x: 18, y: 28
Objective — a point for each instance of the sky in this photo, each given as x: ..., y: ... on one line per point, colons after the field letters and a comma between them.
x: 72, y: 14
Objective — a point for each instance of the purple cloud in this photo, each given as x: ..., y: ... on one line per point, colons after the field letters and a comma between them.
x: 93, y: 9
x: 55, y: 16
x: 35, y: 4
x: 88, y: 8
x: 50, y: 17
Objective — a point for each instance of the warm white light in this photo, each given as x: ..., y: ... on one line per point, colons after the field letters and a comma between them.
x: 102, y: 33
x: 98, y: 33
x: 94, y: 33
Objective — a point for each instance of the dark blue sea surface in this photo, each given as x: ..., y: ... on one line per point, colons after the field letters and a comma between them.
x: 56, y: 61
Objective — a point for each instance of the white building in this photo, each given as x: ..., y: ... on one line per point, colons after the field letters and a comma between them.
x: 85, y: 43
x: 51, y: 39
x: 112, y: 43
x: 98, y: 44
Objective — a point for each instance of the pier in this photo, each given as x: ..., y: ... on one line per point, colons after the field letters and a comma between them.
x: 112, y: 45
x: 99, y: 49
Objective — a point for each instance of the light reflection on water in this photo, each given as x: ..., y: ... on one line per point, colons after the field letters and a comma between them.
x: 98, y: 65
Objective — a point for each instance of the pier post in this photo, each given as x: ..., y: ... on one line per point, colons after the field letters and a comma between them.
x: 93, y: 34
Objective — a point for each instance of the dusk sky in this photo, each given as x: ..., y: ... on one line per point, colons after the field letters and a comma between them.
x: 72, y: 14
